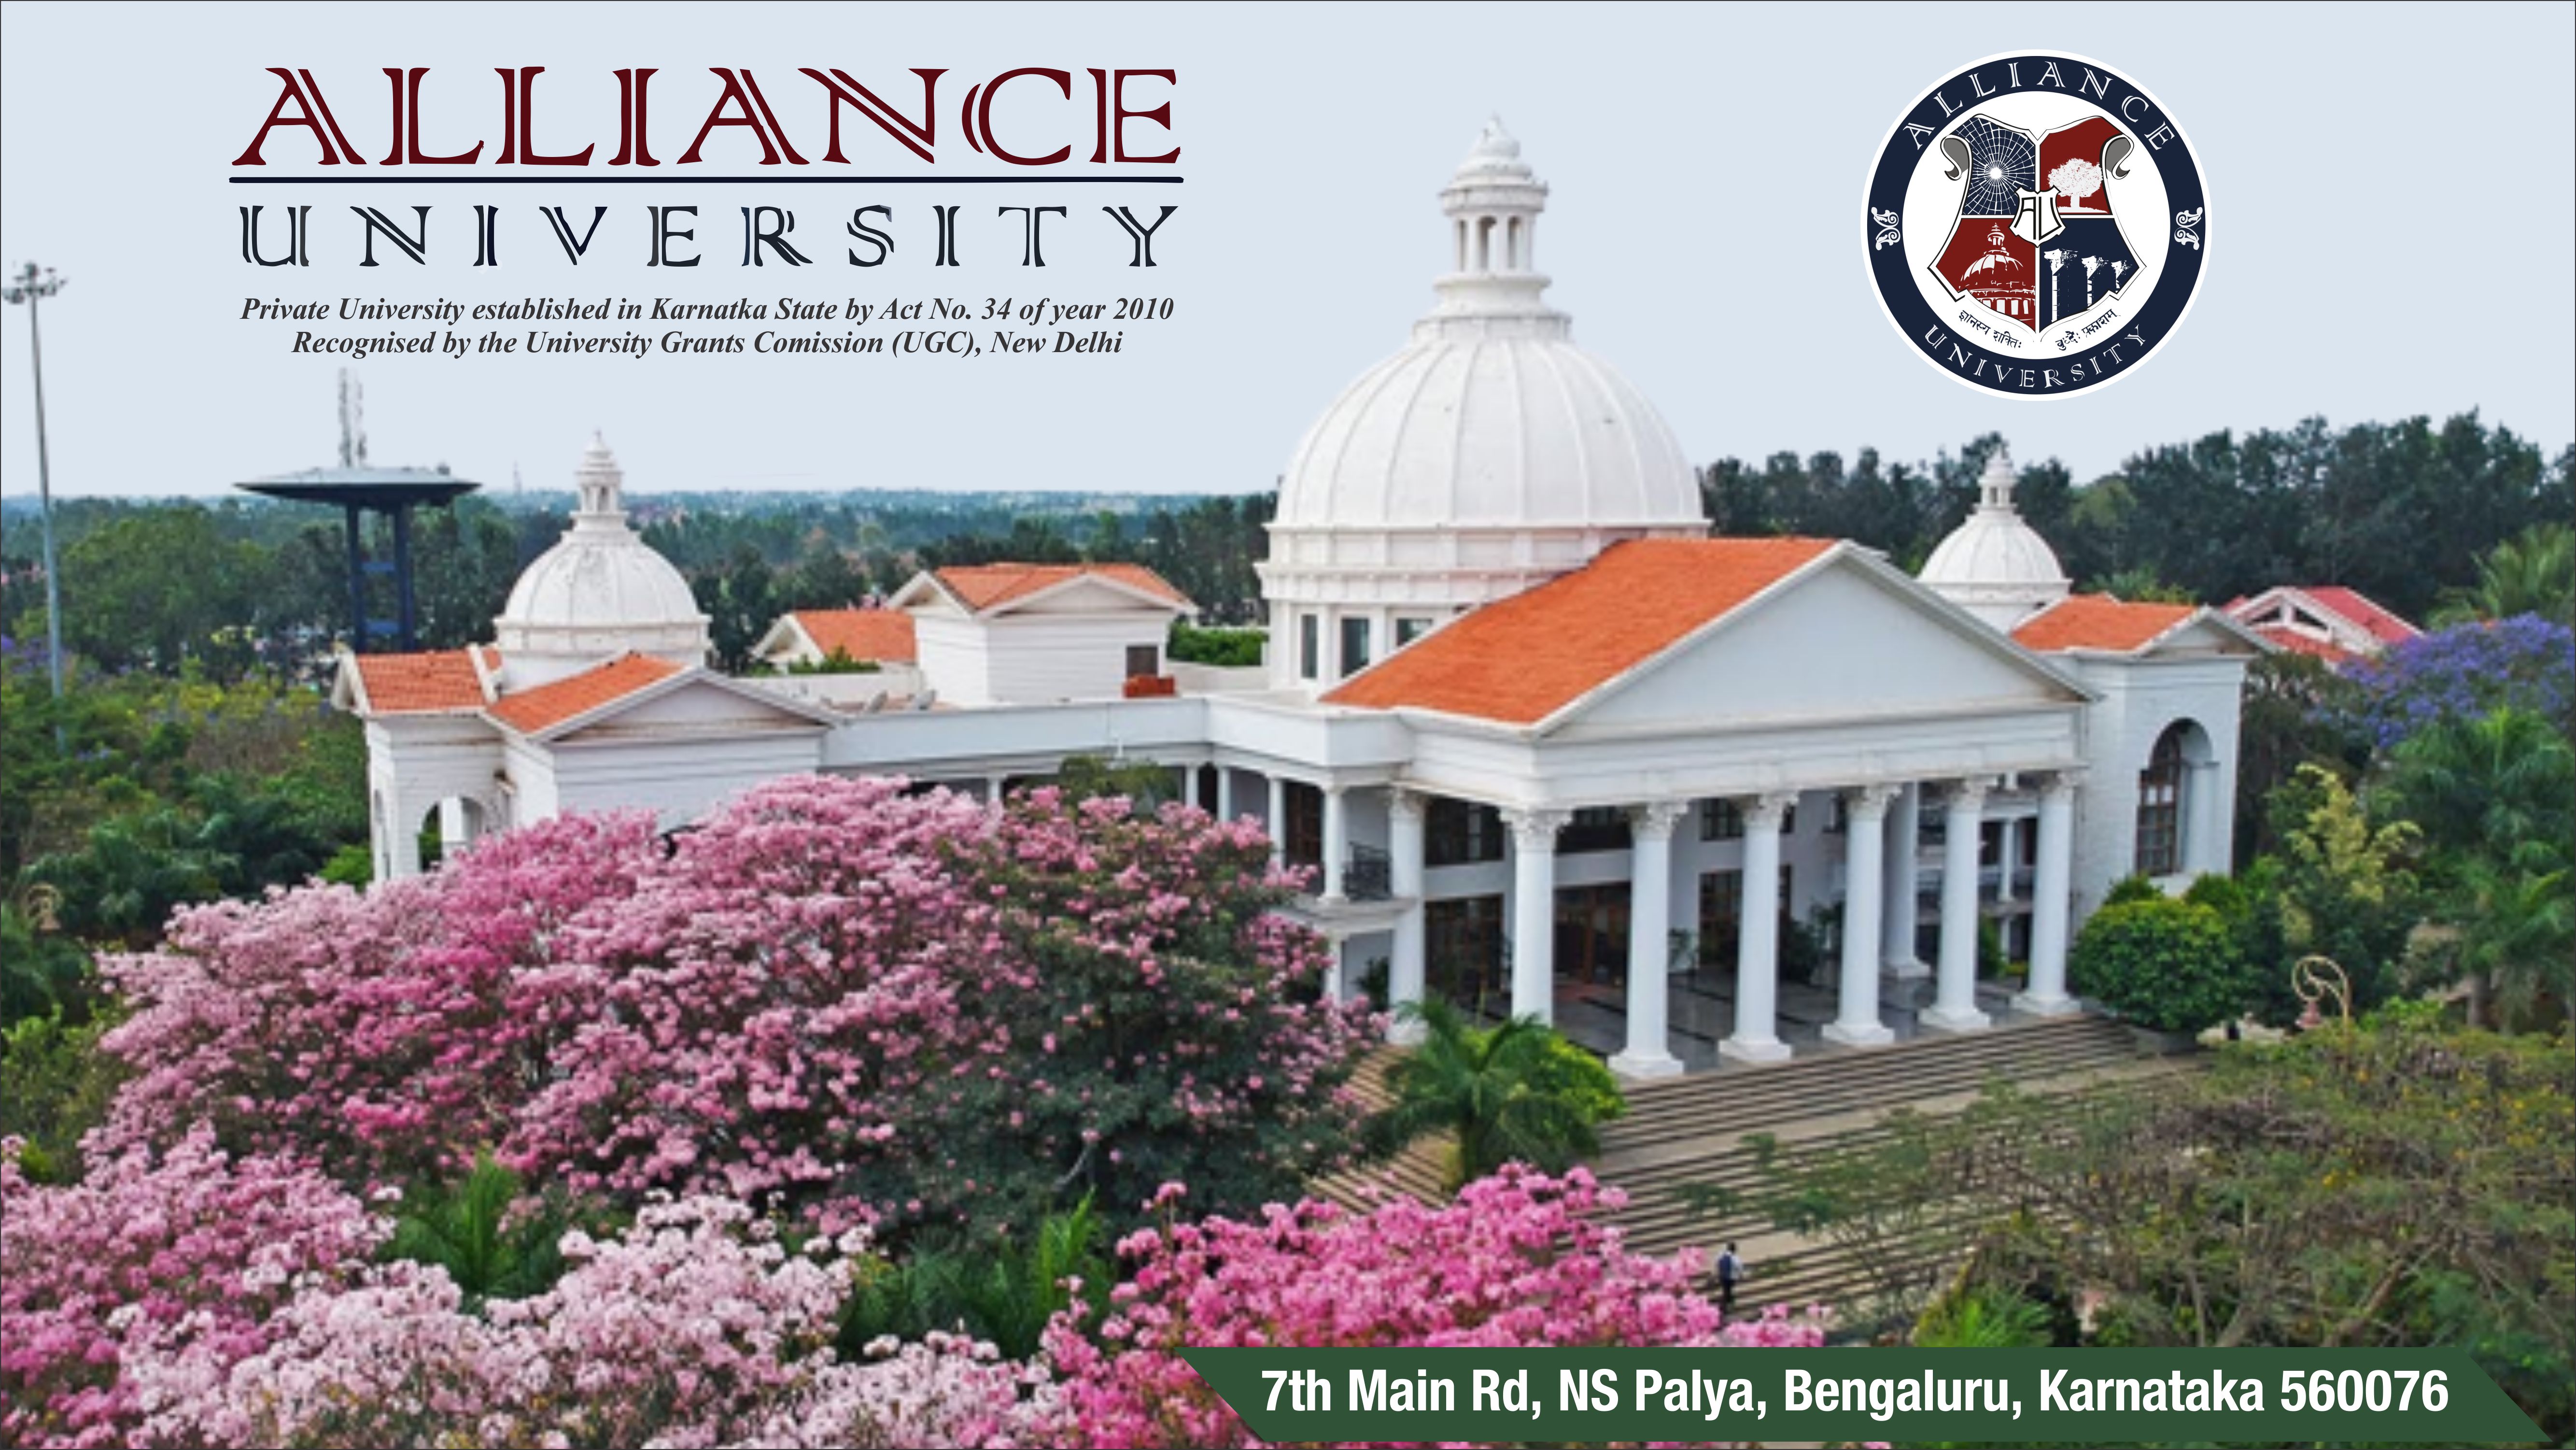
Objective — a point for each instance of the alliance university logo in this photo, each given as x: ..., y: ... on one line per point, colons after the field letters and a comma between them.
x: 2036, y: 225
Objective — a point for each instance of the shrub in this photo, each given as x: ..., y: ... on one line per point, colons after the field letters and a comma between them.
x: 2164, y: 964
x: 1224, y: 648
x: 55, y: 1085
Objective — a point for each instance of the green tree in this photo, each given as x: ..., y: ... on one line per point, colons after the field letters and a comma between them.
x: 2534, y: 572
x: 2349, y: 889
x: 2496, y: 800
x: 1509, y: 1093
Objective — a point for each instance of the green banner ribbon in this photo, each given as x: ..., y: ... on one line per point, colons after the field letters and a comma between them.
x: 2059, y: 1396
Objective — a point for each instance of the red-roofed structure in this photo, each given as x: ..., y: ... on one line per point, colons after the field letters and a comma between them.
x: 409, y: 684
x: 2330, y: 621
x: 884, y: 636
x: 2101, y: 622
x: 984, y: 587
x: 547, y: 706
x: 1522, y: 659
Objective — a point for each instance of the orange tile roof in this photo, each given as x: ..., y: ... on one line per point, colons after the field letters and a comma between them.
x: 407, y: 684
x: 987, y: 586
x: 2099, y: 621
x: 2297, y: 643
x: 862, y: 634
x: 1520, y: 660
x: 550, y: 705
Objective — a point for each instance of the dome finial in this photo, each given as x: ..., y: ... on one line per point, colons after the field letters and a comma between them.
x: 600, y: 485
x: 1995, y: 486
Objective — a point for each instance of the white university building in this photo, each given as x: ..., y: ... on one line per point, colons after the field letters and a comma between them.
x: 1547, y: 747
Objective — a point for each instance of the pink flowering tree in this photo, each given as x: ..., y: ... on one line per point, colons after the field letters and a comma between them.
x: 695, y: 1327
x: 184, y: 1251
x: 1144, y: 1019
x: 877, y: 1006
x: 1517, y: 1260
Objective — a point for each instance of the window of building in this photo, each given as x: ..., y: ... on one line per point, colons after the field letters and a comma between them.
x: 1409, y: 628
x: 1355, y: 643
x: 2160, y: 807
x: 1463, y: 951
x: 1720, y: 820
x: 1460, y: 833
x: 1721, y: 917
x: 1723, y: 820
x: 1144, y: 659
x: 1837, y: 815
x: 1310, y: 647
x: 1301, y: 841
x: 1595, y: 828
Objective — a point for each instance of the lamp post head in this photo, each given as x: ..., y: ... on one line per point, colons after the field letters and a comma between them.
x: 32, y: 281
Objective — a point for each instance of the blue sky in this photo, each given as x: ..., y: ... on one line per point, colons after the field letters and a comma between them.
x: 2393, y: 231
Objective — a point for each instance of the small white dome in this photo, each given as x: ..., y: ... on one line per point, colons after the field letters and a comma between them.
x: 600, y: 592
x: 1995, y: 565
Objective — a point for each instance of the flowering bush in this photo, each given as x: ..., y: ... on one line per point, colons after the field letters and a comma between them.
x: 2465, y: 671
x: 696, y: 1327
x: 1516, y: 1261
x: 182, y: 1252
x: 882, y: 1006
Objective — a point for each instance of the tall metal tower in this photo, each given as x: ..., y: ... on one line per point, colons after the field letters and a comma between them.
x: 357, y: 488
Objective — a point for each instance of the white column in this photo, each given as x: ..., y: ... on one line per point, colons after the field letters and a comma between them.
x: 1864, y: 878
x: 2051, y: 892
x: 1337, y: 842
x: 1224, y: 791
x: 1954, y: 1004
x: 1278, y: 821
x: 1897, y: 905
x: 2006, y: 832
x: 1534, y: 911
x: 1404, y: 971
x: 1757, y: 955
x: 1650, y: 926
x: 994, y: 785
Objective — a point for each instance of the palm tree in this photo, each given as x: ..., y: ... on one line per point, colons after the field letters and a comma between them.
x: 1511, y: 1093
x: 2534, y: 572
x: 2496, y: 797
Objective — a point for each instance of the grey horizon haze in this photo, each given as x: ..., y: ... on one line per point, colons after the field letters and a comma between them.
x: 2392, y: 232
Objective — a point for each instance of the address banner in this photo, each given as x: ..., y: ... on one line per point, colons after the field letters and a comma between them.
x: 2056, y: 1396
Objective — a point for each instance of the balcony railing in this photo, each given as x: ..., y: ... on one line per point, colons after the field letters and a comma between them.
x: 1368, y: 874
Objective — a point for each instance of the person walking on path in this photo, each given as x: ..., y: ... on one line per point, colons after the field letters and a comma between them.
x: 1730, y: 1272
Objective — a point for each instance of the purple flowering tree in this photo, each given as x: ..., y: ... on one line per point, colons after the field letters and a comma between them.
x: 2458, y: 674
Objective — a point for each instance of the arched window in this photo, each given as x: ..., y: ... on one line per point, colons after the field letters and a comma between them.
x: 1512, y: 245
x: 2160, y: 806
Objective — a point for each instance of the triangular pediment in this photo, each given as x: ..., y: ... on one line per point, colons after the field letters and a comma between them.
x: 695, y: 704
x: 1847, y: 639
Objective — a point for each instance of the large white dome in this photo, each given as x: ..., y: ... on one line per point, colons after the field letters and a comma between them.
x: 1489, y: 455
x: 1489, y: 430
x: 1995, y: 565
x: 600, y: 592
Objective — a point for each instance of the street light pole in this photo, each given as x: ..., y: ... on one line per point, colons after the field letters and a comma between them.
x: 30, y: 286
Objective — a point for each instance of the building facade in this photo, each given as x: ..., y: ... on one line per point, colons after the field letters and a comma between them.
x: 1544, y: 746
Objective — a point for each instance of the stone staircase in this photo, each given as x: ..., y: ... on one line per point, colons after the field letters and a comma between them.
x: 1691, y: 1131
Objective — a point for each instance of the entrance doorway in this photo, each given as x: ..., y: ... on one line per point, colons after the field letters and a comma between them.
x: 1592, y: 934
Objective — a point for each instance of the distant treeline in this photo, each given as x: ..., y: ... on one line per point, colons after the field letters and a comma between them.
x: 2398, y: 510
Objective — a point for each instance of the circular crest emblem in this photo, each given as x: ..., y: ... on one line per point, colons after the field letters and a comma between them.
x: 2036, y: 225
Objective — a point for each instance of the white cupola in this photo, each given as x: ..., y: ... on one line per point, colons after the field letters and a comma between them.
x: 1490, y: 454
x: 1995, y: 565
x: 599, y: 593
